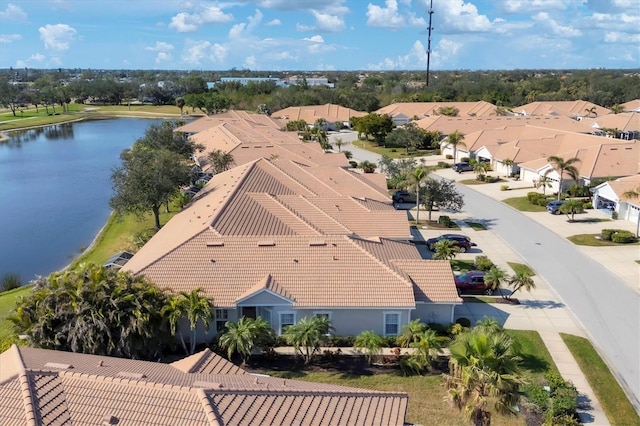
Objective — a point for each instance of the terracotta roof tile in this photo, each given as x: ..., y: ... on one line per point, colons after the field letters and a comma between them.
x: 206, y: 362
x: 12, y: 411
x: 311, y: 113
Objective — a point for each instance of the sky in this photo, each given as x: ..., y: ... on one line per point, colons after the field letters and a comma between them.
x: 319, y: 35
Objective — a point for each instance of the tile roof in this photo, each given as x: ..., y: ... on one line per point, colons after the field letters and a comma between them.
x: 429, y: 109
x: 625, y: 121
x: 43, y: 387
x: 633, y: 105
x: 625, y: 184
x: 311, y: 113
x: 232, y: 116
x: 467, y: 125
x: 571, y: 109
x: 207, y: 362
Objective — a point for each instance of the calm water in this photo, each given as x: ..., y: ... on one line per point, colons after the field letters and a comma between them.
x: 54, y: 191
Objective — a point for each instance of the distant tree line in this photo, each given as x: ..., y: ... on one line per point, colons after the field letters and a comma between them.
x: 353, y: 89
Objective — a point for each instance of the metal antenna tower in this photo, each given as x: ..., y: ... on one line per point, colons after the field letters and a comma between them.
x: 429, y: 40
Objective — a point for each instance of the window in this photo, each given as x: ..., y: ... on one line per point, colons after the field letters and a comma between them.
x: 286, y: 319
x: 327, y: 315
x: 391, y: 323
x: 222, y: 316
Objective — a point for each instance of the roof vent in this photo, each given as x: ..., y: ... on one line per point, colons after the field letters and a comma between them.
x: 266, y: 243
x: 215, y: 243
x: 130, y: 375
x: 317, y: 243
x: 110, y: 420
x: 58, y: 365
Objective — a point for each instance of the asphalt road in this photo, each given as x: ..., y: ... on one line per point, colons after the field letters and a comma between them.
x: 607, y: 308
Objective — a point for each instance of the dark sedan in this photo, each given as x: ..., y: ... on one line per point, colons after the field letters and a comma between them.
x: 461, y: 241
x: 472, y: 282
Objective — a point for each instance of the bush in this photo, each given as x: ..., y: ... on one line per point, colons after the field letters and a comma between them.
x: 353, y: 164
x: 440, y: 329
x: 445, y: 220
x: 443, y: 165
x: 623, y: 237
x: 10, y: 281
x: 449, y: 157
x: 537, y: 394
x: 483, y: 263
x: 504, y: 187
x: 531, y: 196
x: 606, y: 234
x: 464, y: 160
x: 588, y: 205
x: 614, y: 215
x: 341, y: 341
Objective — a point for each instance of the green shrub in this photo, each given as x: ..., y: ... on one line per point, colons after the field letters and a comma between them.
x: 537, y: 394
x: 353, y: 164
x: 606, y: 234
x: 483, y: 263
x: 464, y: 160
x: 531, y: 196
x: 9, y: 282
x: 614, y: 215
x: 623, y: 237
x: 504, y: 187
x: 449, y: 157
x: 588, y: 205
x: 564, y: 401
x: 443, y: 165
x: 445, y: 220
x: 440, y: 329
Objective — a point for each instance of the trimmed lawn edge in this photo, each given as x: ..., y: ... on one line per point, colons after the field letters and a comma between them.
x: 614, y: 401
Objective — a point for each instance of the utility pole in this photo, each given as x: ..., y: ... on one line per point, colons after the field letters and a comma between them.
x: 429, y: 41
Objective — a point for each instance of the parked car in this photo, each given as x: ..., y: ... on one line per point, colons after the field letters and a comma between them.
x: 462, y: 167
x: 461, y: 241
x: 553, y: 207
x: 472, y: 282
x: 403, y: 197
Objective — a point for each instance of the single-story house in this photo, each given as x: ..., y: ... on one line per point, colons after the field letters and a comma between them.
x: 611, y: 196
x: 403, y: 112
x: 576, y: 110
x: 45, y: 387
x: 283, y: 241
x: 625, y: 125
x: 331, y: 113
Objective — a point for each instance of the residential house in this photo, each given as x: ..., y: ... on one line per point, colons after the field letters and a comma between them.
x: 404, y: 112
x: 631, y: 106
x: 576, y: 110
x: 611, y: 196
x: 332, y: 114
x: 45, y: 387
x: 625, y: 125
x: 284, y: 240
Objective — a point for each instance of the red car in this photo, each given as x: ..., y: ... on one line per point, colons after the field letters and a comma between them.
x: 472, y: 282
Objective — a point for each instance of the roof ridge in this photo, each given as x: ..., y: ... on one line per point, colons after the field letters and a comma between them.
x: 305, y: 392
x: 126, y: 381
x: 316, y: 208
x: 360, y: 178
x: 291, y: 212
x: 209, y: 409
x: 281, y: 169
x: 28, y: 399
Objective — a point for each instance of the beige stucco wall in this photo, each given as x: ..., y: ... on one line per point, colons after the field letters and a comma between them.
x: 429, y: 312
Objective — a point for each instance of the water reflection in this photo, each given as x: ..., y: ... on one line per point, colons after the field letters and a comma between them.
x: 55, y: 132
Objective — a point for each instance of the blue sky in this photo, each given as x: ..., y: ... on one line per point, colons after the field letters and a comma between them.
x: 276, y: 35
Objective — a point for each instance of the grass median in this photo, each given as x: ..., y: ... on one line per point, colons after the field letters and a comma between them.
x: 614, y: 402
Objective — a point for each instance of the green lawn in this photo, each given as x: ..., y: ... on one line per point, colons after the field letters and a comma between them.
x: 391, y: 152
x: 8, y: 301
x: 614, y: 402
x: 517, y: 267
x: 591, y: 240
x: 522, y: 204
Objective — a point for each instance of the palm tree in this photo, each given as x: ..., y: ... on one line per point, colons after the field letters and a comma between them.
x: 543, y: 182
x: 489, y: 325
x: 367, y: 166
x: 445, y: 250
x: 239, y: 337
x: 571, y: 207
x: 220, y: 160
x: 634, y: 194
x: 483, y: 366
x: 414, y: 181
x: 338, y: 142
x: 591, y: 111
x: 197, y: 308
x: 562, y: 167
x: 480, y: 169
x: 455, y: 140
x: 410, y: 333
x: 617, y: 109
x: 508, y: 163
x: 427, y: 348
x: 521, y: 279
x: 307, y: 334
x: 494, y: 278
x: 174, y: 311
x: 369, y: 342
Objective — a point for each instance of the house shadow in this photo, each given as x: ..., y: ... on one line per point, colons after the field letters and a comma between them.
x: 474, y: 310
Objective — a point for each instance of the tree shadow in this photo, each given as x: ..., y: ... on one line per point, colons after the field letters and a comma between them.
x: 542, y: 304
x: 534, y: 364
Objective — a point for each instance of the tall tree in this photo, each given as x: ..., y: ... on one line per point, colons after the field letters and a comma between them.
x: 164, y: 136
x: 414, y: 181
x: 494, y: 278
x: 410, y: 137
x: 441, y: 193
x: 508, y: 163
x: 146, y: 180
x: 220, y: 161
x: 521, y: 280
x: 197, y: 309
x: 543, y: 182
x: 454, y: 140
x: 571, y: 207
x: 564, y: 167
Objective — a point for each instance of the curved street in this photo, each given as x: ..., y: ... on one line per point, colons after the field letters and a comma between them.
x: 607, y: 307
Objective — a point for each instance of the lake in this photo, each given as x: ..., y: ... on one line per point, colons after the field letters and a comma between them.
x: 55, y: 185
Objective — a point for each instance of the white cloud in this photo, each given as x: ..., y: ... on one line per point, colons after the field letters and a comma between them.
x: 57, y: 37
x: 390, y: 17
x: 13, y: 13
x: 163, y: 57
x: 188, y: 22
x: 416, y: 58
x: 315, y: 39
x: 291, y: 5
x: 9, y: 38
x: 198, y: 51
x: 456, y: 16
x: 274, y: 23
x: 160, y: 46
x: 618, y: 37
x: 526, y: 6
x: 244, y: 29
x: 554, y: 27
x: 326, y: 22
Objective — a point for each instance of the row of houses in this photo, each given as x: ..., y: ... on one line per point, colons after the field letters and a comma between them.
x: 519, y: 140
